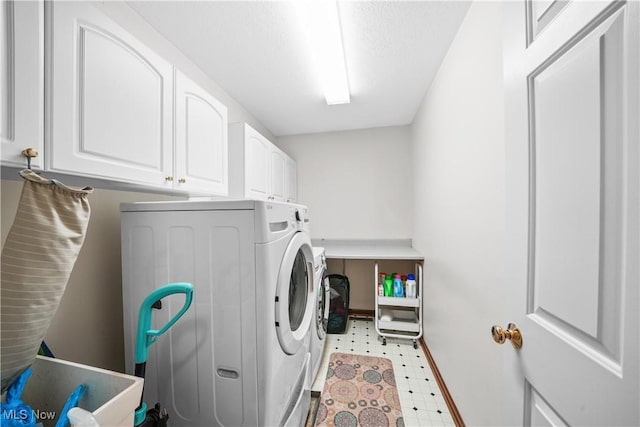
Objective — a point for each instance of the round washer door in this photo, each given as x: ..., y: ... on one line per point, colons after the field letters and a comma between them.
x: 322, y: 306
x: 294, y: 294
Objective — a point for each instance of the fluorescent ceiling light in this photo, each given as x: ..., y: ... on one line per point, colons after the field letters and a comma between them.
x: 320, y: 20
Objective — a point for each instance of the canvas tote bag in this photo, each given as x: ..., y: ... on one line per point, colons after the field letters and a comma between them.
x: 37, y: 258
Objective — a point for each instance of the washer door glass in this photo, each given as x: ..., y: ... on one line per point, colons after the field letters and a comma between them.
x: 294, y: 294
x: 298, y: 291
x: 322, y: 306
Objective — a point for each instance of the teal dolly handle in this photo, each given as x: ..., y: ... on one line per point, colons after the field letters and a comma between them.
x: 147, y: 336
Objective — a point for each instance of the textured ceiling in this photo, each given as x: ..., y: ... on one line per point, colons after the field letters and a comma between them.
x: 256, y: 51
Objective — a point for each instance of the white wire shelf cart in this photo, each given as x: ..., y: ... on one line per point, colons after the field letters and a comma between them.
x: 399, y: 317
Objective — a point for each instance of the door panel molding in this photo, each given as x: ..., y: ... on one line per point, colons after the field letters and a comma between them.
x: 595, y: 279
x: 89, y: 143
x: 538, y: 412
x: 539, y: 14
x: 589, y: 346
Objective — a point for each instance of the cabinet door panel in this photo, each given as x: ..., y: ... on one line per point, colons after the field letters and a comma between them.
x: 257, y: 155
x: 201, y: 140
x: 120, y: 100
x: 21, y: 81
x: 278, y: 159
x: 111, y: 100
x: 291, y: 183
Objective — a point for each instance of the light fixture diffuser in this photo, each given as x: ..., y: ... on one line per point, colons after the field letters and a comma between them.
x: 321, y: 22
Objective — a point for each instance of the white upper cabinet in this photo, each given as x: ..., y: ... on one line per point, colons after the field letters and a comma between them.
x: 278, y: 161
x: 258, y: 169
x: 111, y: 100
x: 291, y: 180
x: 249, y: 174
x: 201, y: 160
x: 21, y: 81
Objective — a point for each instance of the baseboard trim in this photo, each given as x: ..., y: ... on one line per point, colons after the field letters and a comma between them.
x: 453, y: 410
x: 360, y: 313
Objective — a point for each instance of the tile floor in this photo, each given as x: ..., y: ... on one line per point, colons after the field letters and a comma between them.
x: 421, y: 399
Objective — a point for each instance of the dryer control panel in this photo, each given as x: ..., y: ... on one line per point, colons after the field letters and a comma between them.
x: 275, y: 219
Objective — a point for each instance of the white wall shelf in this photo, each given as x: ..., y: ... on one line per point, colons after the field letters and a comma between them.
x: 376, y: 249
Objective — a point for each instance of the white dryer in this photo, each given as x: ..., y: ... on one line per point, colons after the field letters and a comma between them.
x: 240, y: 355
x: 321, y: 311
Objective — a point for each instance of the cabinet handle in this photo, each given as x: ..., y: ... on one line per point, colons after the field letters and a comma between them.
x: 182, y: 180
x: 168, y: 178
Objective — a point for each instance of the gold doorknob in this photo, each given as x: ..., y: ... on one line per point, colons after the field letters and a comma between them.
x: 512, y: 333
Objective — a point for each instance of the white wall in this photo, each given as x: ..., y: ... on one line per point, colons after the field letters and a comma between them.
x: 458, y: 152
x: 87, y: 327
x: 357, y: 184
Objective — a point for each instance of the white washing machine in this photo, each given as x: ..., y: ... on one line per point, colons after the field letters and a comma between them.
x: 239, y: 356
x: 321, y: 311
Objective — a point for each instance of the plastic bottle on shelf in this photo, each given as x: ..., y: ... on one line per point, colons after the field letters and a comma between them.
x: 380, y: 289
x: 398, y: 291
x: 411, y: 286
x: 388, y: 286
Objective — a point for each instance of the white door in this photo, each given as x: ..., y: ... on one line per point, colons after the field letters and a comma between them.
x: 571, y: 81
x: 21, y: 81
x: 201, y: 140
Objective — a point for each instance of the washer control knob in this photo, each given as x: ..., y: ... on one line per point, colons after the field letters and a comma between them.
x: 298, y: 216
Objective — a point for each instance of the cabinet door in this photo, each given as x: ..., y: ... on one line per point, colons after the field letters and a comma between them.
x: 21, y: 81
x: 201, y: 140
x: 257, y: 164
x: 291, y: 183
x: 278, y: 159
x: 111, y: 109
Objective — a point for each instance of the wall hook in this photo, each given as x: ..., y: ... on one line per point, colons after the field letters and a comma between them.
x: 29, y: 153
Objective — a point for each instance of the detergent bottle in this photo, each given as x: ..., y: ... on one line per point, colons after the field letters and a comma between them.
x: 388, y: 286
x: 398, y: 290
x: 411, y: 286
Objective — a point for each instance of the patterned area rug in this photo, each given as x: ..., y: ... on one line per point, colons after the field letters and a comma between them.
x: 359, y: 391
